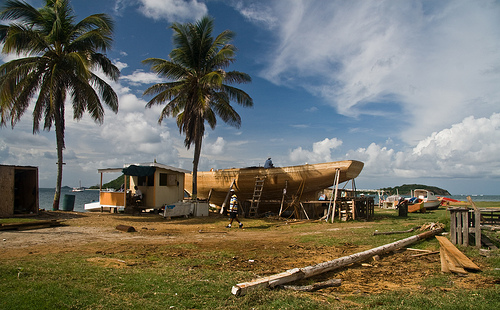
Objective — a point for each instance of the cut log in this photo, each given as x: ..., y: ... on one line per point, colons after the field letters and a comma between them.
x: 310, y: 271
x: 125, y: 228
x: 313, y: 287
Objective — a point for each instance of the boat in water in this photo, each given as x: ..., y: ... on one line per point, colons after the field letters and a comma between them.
x: 78, y: 189
x: 305, y: 181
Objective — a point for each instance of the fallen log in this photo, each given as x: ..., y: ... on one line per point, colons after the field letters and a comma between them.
x: 395, y: 232
x: 310, y: 271
x: 313, y: 287
x: 125, y: 228
x: 29, y: 225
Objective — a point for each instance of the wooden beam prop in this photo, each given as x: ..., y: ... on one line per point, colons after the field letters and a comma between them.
x: 310, y: 271
x: 452, y: 260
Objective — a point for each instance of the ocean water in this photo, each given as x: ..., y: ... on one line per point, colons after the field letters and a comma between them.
x: 46, y: 198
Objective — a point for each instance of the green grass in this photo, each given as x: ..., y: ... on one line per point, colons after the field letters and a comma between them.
x: 157, y: 278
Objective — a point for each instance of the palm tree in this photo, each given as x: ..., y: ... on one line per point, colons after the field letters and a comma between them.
x: 198, y: 90
x: 60, y: 55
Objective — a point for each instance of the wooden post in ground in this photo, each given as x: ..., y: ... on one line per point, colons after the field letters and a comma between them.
x: 477, y: 222
x: 310, y: 271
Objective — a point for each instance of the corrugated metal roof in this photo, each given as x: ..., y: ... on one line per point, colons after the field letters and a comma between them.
x: 157, y: 165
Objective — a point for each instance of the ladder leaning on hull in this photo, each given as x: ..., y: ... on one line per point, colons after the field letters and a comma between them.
x: 257, y: 193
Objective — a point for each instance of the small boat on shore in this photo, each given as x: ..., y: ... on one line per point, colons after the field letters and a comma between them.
x: 304, y: 180
x: 426, y: 198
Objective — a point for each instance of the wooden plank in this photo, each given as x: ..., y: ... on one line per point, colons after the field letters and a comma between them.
x: 425, y: 254
x: 452, y: 265
x: 444, y: 263
x: 456, y: 254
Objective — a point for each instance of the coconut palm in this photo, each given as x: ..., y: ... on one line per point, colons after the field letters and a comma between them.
x: 198, y: 89
x: 58, y: 55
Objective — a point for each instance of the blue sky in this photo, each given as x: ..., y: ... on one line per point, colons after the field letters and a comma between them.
x: 411, y: 88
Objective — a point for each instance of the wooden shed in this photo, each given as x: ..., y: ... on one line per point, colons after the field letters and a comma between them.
x: 160, y: 185
x: 19, y: 185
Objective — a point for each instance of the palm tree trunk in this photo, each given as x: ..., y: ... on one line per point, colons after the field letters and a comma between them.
x: 59, y: 124
x: 196, y: 160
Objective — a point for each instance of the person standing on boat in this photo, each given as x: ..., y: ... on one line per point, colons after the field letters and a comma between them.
x: 268, y: 163
x: 233, y: 210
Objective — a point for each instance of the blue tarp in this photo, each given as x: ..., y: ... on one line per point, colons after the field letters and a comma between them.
x: 139, y: 171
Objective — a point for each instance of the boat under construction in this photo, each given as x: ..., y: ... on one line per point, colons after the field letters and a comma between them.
x: 255, y: 184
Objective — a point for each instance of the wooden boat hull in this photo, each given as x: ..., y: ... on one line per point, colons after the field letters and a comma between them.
x: 313, y: 178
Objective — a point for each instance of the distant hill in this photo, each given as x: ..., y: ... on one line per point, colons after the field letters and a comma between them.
x: 406, y: 189
x: 116, y: 184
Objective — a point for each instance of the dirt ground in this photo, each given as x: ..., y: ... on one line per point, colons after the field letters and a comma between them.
x: 263, y: 250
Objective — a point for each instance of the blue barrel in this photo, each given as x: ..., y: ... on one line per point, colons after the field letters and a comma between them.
x: 68, y: 203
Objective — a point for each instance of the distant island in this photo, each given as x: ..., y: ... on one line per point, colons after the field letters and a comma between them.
x: 406, y: 189
x: 115, y: 184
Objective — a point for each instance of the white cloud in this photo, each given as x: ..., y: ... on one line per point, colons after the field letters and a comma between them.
x: 465, y: 150
x: 215, y: 148
x: 120, y: 65
x: 433, y: 63
x: 139, y: 77
x: 260, y: 13
x: 321, y: 152
x: 173, y: 10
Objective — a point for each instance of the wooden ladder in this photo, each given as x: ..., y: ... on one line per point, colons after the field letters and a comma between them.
x: 257, y: 193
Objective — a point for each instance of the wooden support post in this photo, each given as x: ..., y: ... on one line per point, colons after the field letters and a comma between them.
x: 227, y: 196
x: 477, y: 222
x: 477, y: 227
x: 453, y: 226
x: 304, y: 209
x: 465, y: 228
x: 310, y: 271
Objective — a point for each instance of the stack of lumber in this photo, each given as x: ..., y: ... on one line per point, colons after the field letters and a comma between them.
x: 29, y: 225
x: 452, y: 260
